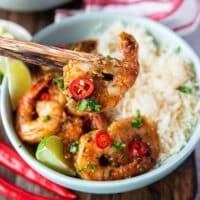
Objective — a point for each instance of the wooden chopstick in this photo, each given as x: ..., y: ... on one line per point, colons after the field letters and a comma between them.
x: 40, y: 54
x: 31, y: 58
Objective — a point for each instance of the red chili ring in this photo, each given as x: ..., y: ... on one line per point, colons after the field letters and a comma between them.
x: 102, y: 139
x: 81, y: 88
x: 138, y: 148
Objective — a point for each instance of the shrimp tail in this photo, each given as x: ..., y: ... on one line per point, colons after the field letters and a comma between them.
x: 129, y: 47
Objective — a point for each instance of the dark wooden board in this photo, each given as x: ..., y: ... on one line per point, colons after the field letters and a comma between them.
x: 179, y: 185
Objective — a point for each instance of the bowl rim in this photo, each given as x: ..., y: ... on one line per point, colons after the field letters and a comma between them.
x: 100, y: 187
x: 30, y: 6
x: 16, y: 29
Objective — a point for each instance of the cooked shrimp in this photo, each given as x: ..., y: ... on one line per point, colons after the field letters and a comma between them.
x: 71, y: 131
x: 125, y: 151
x: 100, y: 85
x: 39, y: 111
x: 75, y: 126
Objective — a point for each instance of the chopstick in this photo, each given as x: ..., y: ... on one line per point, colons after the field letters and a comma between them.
x: 42, y: 55
x: 31, y: 58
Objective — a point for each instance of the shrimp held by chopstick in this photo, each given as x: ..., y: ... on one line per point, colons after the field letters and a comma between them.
x: 94, y: 83
x: 98, y: 86
x: 38, y: 54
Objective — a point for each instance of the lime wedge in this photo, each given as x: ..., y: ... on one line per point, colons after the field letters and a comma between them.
x: 7, y: 35
x: 19, y: 80
x: 50, y: 152
x: 2, y: 68
x: 3, y: 60
x: 1, y: 30
x: 3, y: 63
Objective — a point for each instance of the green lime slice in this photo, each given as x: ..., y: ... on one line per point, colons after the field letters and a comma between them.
x: 50, y: 152
x: 19, y: 80
x: 3, y: 60
x: 3, y: 63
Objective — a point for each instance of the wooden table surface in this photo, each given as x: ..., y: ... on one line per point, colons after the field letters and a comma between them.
x: 182, y: 184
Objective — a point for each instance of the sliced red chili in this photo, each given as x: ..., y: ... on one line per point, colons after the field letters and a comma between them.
x: 14, y: 192
x: 81, y: 88
x: 102, y: 139
x: 138, y: 148
x: 11, y: 160
x: 44, y: 96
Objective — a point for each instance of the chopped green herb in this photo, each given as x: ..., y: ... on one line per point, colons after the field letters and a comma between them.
x: 60, y: 82
x: 1, y: 76
x: 118, y: 145
x: 94, y: 106
x: 89, y: 167
x: 88, y: 104
x: 185, y: 89
x: 177, y: 50
x: 46, y: 118
x: 72, y: 47
x: 92, y: 168
x: 126, y: 128
x: 154, y: 40
x: 80, y: 170
x: 82, y: 105
x: 138, y: 114
x: 74, y: 147
x: 109, y: 57
x: 138, y: 122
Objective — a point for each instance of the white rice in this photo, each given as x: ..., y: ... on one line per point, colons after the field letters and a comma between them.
x: 155, y: 92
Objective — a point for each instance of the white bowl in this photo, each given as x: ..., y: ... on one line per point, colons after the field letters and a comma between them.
x: 74, y: 29
x: 18, y: 31
x: 31, y: 5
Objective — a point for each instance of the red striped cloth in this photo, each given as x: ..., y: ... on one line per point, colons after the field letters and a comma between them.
x: 182, y: 16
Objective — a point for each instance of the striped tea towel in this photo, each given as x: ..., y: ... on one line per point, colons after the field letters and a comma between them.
x: 181, y: 16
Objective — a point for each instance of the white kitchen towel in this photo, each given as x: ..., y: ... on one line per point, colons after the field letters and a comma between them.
x: 181, y: 16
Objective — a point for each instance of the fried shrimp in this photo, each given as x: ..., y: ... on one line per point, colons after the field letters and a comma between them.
x: 123, y: 151
x: 39, y: 112
x: 75, y: 126
x: 98, y: 86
